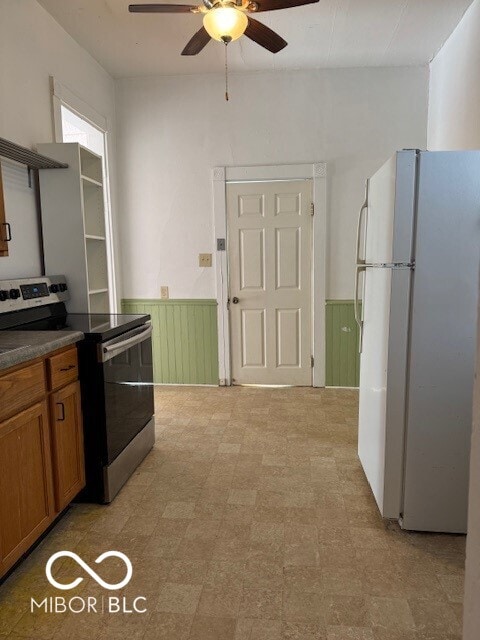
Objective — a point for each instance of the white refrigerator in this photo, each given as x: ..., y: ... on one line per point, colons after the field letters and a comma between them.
x: 416, y: 291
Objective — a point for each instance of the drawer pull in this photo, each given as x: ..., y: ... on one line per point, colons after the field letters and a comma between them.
x: 8, y: 229
x: 62, y: 418
x: 70, y: 366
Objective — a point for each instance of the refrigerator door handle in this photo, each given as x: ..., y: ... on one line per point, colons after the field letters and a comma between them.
x: 356, y: 306
x: 360, y: 227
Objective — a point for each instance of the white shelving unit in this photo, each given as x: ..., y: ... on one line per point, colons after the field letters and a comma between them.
x: 74, y: 229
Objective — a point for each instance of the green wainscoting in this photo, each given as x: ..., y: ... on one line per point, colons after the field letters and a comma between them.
x: 342, y: 357
x: 185, y: 339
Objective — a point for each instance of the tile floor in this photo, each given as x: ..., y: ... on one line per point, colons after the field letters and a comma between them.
x: 250, y: 520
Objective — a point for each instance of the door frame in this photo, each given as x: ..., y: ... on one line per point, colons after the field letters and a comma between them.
x: 63, y: 96
x: 221, y: 176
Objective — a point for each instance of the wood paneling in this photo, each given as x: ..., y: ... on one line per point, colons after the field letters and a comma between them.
x: 26, y: 492
x: 342, y: 357
x: 62, y: 369
x: 21, y: 388
x: 185, y: 339
x: 67, y: 444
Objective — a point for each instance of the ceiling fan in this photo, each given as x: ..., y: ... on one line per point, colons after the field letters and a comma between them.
x: 227, y: 20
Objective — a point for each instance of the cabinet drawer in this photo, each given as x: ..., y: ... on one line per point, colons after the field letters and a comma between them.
x: 62, y: 369
x: 21, y: 388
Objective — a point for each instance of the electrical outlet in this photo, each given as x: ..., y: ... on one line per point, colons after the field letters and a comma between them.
x: 204, y: 259
x: 164, y: 293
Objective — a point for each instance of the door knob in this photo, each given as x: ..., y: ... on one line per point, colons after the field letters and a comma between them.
x: 235, y: 300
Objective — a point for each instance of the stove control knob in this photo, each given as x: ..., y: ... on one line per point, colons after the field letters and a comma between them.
x: 63, y: 286
x: 4, y: 295
x: 53, y: 288
x: 14, y: 294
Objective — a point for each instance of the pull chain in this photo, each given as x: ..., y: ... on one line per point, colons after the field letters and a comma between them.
x: 226, y: 73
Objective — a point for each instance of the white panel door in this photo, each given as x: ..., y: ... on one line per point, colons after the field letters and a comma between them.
x: 270, y: 251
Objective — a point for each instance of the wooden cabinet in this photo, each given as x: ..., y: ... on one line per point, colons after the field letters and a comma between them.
x: 62, y: 369
x: 67, y: 444
x: 21, y: 388
x: 4, y: 227
x: 26, y: 491
x: 41, y: 449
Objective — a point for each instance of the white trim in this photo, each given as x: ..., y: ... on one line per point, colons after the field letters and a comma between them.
x: 221, y: 275
x: 317, y: 172
x: 63, y: 96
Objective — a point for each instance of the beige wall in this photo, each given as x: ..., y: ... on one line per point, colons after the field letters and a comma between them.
x: 454, y: 123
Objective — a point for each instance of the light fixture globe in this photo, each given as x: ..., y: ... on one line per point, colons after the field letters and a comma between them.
x: 225, y: 23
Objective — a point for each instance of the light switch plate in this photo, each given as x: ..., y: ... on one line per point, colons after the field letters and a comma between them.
x: 204, y: 259
x: 164, y: 293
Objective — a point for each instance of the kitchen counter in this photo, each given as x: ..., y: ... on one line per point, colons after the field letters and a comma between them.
x: 27, y: 345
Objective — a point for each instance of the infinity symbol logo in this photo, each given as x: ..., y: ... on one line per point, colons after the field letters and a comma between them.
x: 85, y: 567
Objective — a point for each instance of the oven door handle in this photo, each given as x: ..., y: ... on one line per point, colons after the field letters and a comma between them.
x: 112, y: 350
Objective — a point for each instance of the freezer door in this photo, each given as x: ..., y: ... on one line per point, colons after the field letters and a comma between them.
x: 382, y: 384
x: 443, y: 336
x: 390, y: 215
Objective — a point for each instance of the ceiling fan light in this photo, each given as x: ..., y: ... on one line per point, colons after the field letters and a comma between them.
x: 225, y: 23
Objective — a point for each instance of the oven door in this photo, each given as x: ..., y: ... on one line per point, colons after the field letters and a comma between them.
x: 128, y: 379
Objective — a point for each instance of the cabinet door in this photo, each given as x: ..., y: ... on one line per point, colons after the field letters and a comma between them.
x: 67, y: 444
x: 26, y: 491
x: 4, y: 229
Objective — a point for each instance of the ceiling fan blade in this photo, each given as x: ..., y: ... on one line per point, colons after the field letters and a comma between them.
x: 162, y: 8
x: 264, y: 36
x: 272, y: 5
x: 197, y: 43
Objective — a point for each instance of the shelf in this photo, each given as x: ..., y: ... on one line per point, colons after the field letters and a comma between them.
x: 91, y: 166
x: 99, y: 302
x: 92, y: 181
x: 94, y: 210
x: 94, y: 292
x: 31, y: 159
x: 83, y: 250
x: 97, y: 270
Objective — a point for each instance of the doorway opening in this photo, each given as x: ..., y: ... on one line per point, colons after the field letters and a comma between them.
x: 77, y: 128
x: 270, y: 226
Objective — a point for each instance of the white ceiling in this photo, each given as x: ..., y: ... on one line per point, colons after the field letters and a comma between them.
x: 332, y: 33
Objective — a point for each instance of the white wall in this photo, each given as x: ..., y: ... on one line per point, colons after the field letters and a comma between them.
x: 33, y: 47
x: 471, y: 622
x: 173, y: 130
x: 454, y: 104
x: 454, y: 123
